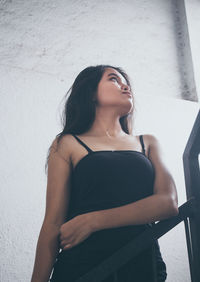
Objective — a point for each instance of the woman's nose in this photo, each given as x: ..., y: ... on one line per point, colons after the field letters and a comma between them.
x: 125, y: 87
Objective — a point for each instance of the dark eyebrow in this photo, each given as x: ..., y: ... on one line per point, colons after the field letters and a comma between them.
x: 112, y: 73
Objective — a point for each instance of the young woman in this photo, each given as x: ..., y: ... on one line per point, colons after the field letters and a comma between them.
x: 105, y: 185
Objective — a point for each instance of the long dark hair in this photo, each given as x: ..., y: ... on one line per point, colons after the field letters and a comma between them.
x: 79, y: 110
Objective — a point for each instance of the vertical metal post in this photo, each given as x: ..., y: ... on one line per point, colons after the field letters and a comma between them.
x: 192, y: 182
x: 189, y: 248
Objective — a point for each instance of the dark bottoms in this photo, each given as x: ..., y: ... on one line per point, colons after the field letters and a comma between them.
x: 73, y: 263
x: 68, y: 267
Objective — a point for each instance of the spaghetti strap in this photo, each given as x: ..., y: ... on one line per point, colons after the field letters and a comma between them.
x: 142, y: 144
x: 82, y: 143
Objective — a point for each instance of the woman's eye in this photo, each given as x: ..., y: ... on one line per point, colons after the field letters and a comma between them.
x: 114, y: 78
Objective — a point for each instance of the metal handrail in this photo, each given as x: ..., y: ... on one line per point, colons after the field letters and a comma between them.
x: 192, y: 184
x: 138, y: 244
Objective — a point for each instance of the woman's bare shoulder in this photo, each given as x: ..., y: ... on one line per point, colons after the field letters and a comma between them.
x: 149, y: 140
x: 153, y: 143
x: 63, y: 146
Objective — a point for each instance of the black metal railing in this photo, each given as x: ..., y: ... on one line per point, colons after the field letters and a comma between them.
x: 138, y: 244
x: 189, y: 212
x: 192, y: 183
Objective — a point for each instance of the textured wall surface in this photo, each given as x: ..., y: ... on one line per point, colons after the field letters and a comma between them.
x: 60, y: 38
x: 44, y: 45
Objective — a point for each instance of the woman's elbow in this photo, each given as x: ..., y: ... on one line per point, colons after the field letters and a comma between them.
x: 173, y: 206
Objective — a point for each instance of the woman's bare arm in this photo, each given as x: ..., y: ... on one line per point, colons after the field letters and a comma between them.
x: 57, y: 200
x: 162, y: 204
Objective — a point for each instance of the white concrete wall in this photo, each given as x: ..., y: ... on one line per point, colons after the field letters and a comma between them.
x: 44, y: 45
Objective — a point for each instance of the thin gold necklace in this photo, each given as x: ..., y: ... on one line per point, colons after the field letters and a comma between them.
x: 108, y: 134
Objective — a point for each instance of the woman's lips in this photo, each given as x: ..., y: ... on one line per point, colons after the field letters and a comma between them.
x: 127, y: 93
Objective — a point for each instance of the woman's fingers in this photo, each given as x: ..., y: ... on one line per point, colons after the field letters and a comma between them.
x: 63, y: 237
x: 68, y: 246
x: 63, y: 243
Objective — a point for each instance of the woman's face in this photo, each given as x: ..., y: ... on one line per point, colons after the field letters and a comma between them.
x: 111, y: 88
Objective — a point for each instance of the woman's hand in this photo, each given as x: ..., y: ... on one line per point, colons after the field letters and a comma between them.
x: 75, y: 230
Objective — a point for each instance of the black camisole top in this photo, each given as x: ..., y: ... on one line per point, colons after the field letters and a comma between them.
x: 102, y: 180
x: 106, y: 179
